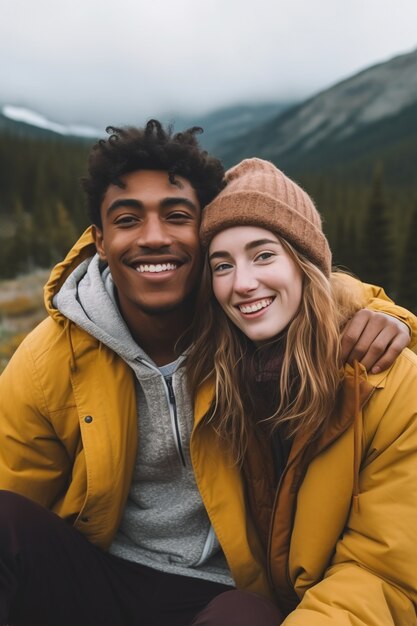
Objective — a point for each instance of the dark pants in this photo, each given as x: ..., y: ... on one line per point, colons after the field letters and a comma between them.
x: 51, y: 575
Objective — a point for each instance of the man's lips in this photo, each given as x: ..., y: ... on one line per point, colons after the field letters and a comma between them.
x: 155, y: 265
x: 255, y: 305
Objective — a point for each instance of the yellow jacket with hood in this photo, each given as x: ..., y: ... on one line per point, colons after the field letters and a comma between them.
x: 68, y: 432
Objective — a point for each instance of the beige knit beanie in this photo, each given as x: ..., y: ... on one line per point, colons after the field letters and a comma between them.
x: 259, y: 194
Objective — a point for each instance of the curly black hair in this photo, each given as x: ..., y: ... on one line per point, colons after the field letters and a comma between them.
x: 150, y: 148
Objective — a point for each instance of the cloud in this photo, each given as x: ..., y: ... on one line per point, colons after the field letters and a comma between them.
x: 85, y: 61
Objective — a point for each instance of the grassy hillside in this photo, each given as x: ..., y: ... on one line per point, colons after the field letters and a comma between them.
x: 21, y: 309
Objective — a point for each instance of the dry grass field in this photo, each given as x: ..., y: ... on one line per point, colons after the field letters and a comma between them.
x: 21, y: 308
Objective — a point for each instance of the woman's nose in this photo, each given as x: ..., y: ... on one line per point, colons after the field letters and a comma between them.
x: 245, y: 281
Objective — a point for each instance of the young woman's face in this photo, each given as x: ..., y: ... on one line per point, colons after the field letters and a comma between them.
x: 255, y: 280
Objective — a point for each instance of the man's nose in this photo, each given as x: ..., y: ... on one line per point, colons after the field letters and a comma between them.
x: 153, y: 233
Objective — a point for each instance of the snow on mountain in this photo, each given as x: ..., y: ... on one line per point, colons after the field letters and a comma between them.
x: 26, y: 116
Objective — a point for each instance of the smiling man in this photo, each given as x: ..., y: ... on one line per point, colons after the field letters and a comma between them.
x: 149, y: 239
x: 119, y: 507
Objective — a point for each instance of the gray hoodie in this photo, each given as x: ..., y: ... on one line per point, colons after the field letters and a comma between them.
x: 165, y: 525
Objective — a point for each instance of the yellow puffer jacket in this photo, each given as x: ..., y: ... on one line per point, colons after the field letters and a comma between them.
x: 342, y: 547
x: 68, y: 439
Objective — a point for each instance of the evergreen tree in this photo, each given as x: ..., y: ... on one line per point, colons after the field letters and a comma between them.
x: 345, y: 252
x: 43, y: 232
x: 65, y: 233
x: 377, y: 243
x: 408, y: 268
x: 7, y: 268
x: 20, y: 251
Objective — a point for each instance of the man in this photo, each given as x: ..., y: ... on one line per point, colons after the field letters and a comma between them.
x: 97, y: 426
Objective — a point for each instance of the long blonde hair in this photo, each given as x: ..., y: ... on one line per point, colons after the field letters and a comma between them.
x: 310, y: 372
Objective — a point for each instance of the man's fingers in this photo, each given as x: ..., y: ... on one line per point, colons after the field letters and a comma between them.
x: 379, y: 349
x: 369, y: 348
x: 374, y: 339
x: 354, y: 344
x: 394, y: 349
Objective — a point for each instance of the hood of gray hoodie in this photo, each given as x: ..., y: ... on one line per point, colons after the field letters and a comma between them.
x: 88, y: 299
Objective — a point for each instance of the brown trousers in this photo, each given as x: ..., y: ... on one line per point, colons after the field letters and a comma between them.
x: 51, y: 575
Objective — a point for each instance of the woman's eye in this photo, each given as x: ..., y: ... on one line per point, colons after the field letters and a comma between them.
x: 221, y: 267
x: 264, y: 256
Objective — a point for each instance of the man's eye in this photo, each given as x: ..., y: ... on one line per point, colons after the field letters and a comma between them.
x: 179, y: 215
x: 125, y: 220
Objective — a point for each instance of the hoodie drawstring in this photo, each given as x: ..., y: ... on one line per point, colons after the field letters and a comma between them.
x: 357, y: 437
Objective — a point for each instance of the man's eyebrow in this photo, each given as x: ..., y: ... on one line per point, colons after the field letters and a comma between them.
x: 174, y: 200
x: 138, y: 204
x: 221, y: 254
x: 124, y: 202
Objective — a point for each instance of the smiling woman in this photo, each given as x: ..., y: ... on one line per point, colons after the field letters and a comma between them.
x: 266, y: 245
x: 320, y: 447
x: 255, y: 280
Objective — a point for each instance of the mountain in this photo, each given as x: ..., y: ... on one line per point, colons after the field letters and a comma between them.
x: 23, y: 121
x: 220, y: 125
x: 371, y: 115
x: 229, y: 123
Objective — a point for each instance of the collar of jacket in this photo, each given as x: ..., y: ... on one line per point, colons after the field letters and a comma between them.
x: 82, y: 249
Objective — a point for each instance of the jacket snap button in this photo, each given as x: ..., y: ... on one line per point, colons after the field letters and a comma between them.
x: 88, y: 419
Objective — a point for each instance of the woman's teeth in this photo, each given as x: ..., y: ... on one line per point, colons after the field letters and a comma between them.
x: 255, y: 306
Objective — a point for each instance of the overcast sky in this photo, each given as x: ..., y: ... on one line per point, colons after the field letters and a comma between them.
x: 99, y: 62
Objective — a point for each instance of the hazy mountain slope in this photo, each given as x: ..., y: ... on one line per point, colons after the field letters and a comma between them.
x: 15, y: 128
x: 391, y: 141
x: 219, y: 125
x: 363, y: 115
x: 228, y: 123
x: 26, y: 121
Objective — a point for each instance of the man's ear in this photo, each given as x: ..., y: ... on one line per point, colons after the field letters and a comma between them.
x: 99, y: 241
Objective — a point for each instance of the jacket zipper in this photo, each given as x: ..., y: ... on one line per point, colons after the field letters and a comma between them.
x: 174, y: 419
x: 172, y: 407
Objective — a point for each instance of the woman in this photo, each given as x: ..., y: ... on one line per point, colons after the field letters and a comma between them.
x: 328, y: 456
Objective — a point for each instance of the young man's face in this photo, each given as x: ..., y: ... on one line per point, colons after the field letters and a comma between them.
x: 150, y: 240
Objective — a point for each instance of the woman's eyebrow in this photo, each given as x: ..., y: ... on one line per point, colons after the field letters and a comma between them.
x: 219, y: 254
x: 248, y: 246
x: 260, y: 242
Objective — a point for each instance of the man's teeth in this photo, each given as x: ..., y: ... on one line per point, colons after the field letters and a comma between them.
x: 256, y: 306
x: 159, y: 267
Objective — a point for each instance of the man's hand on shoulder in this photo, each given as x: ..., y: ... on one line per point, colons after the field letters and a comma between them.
x: 375, y: 339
